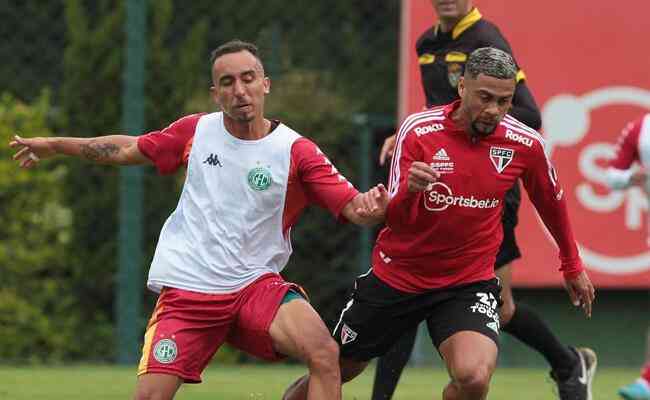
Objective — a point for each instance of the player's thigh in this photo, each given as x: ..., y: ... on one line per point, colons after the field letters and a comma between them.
x: 298, y: 331
x: 269, y: 323
x: 374, y: 319
x: 184, y: 332
x: 471, y: 308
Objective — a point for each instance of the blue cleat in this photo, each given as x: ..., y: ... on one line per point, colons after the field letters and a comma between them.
x: 638, y: 390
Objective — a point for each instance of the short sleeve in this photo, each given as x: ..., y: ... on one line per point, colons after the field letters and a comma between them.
x: 323, y: 184
x: 169, y: 148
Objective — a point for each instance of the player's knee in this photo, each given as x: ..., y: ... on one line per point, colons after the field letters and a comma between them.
x: 150, y: 393
x: 506, y: 311
x: 323, y: 356
x: 473, y: 380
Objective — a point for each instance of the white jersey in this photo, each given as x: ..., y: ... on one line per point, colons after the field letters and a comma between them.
x: 227, y: 229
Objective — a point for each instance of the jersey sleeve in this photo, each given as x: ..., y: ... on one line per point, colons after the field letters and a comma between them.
x: 541, y: 182
x: 322, y: 183
x: 402, y: 208
x: 169, y: 148
x: 619, y: 172
x: 627, y: 149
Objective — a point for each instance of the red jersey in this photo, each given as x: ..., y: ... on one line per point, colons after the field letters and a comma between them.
x: 633, y: 144
x: 313, y: 179
x: 449, y: 234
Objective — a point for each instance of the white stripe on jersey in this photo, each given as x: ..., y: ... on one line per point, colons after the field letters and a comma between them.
x: 434, y: 114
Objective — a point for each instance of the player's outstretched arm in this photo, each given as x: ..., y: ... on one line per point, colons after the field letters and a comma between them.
x: 111, y: 149
x: 368, y: 208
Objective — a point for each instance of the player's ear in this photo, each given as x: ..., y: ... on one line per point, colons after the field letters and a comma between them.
x: 267, y: 85
x: 461, y: 86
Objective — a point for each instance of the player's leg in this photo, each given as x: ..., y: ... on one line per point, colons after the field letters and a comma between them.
x: 298, y: 331
x: 361, y: 331
x: 176, y: 349
x: 464, y: 327
x: 390, y: 366
x: 522, y: 322
x: 639, y: 389
x: 470, y: 358
x: 276, y: 321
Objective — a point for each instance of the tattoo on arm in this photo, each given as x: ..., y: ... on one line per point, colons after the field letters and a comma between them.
x: 99, y: 152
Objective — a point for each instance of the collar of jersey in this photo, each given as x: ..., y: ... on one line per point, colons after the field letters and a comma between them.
x: 448, y: 110
x: 470, y: 19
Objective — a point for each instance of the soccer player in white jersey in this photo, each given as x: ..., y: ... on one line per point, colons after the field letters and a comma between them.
x: 629, y: 168
x: 434, y: 260
x: 219, y: 255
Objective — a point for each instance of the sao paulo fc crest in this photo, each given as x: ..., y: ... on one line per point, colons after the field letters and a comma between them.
x: 501, y: 157
x: 347, y: 334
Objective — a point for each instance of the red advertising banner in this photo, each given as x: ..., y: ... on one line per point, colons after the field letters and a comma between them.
x: 588, y: 66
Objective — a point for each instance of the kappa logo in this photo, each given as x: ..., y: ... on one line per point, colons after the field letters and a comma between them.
x: 501, y: 157
x: 515, y: 137
x: 213, y: 159
x: 347, y: 334
x: 423, y: 130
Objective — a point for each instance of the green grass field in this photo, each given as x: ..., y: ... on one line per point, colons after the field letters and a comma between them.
x: 268, y: 382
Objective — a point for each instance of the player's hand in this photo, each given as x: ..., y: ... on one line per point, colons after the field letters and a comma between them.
x: 374, y: 203
x: 31, y: 151
x: 581, y: 292
x: 421, y: 175
x: 387, y: 150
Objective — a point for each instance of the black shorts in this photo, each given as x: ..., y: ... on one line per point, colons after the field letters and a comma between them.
x: 509, y: 251
x: 377, y: 315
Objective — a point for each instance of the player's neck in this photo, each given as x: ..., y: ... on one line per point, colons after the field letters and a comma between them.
x: 247, y: 130
x: 447, y: 24
x: 461, y: 120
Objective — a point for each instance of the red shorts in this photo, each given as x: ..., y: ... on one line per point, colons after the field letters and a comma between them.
x: 187, y: 328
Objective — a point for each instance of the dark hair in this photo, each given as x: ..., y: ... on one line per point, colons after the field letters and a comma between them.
x: 234, y: 46
x: 491, y: 62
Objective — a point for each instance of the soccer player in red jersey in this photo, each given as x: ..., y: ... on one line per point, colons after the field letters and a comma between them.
x: 434, y: 261
x: 630, y: 168
x: 219, y: 255
x: 442, y: 51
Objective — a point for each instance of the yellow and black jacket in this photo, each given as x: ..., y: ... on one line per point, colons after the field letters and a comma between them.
x: 442, y: 57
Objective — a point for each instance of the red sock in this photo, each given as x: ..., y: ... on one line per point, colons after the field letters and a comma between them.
x: 645, y: 372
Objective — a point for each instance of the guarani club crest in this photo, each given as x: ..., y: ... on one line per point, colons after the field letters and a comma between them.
x: 501, y: 157
x: 259, y: 178
x: 165, y: 351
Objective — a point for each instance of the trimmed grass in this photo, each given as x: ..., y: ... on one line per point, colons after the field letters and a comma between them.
x: 266, y: 382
